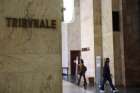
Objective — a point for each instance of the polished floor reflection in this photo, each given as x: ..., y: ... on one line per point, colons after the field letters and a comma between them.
x: 69, y: 87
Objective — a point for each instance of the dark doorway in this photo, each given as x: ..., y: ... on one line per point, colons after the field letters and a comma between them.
x: 73, y: 55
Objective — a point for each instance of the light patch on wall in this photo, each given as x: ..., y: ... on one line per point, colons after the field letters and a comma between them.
x: 68, y: 11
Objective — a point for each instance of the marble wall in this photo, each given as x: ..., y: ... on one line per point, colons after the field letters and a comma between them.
x: 30, y: 58
x: 131, y: 21
x: 74, y: 29
x: 87, y: 35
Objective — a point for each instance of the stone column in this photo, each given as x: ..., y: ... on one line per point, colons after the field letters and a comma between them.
x: 30, y: 57
x: 122, y: 44
x: 97, y: 28
x: 65, y: 46
x: 118, y: 42
x: 107, y: 32
x: 131, y: 40
x: 97, y: 38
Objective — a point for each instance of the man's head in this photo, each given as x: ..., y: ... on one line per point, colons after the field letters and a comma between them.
x: 107, y: 60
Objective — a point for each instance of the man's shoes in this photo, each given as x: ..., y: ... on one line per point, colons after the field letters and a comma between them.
x: 116, y: 90
x: 85, y: 84
x: 102, y: 91
x: 78, y: 84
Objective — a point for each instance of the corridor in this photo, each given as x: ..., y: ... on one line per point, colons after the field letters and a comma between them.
x: 69, y: 87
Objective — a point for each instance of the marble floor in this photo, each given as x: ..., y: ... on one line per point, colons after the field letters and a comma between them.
x: 69, y: 87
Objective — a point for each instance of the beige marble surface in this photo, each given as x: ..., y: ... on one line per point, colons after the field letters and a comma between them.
x: 107, y: 32
x: 97, y: 27
x: 87, y: 35
x: 74, y: 29
x: 131, y: 37
x: 30, y: 59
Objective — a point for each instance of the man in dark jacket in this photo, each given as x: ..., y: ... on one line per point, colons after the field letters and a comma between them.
x: 107, y: 76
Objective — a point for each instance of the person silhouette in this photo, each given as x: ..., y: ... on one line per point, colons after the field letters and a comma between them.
x: 107, y: 77
x: 82, y: 71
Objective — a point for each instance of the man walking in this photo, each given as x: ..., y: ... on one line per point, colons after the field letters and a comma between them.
x: 107, y: 76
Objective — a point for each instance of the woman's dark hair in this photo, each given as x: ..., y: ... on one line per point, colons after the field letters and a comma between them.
x: 82, y: 61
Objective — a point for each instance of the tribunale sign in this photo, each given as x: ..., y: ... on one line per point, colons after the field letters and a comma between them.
x: 31, y: 23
